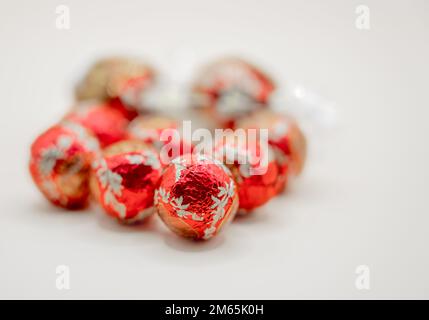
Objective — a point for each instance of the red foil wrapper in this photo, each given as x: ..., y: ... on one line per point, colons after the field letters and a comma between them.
x: 196, y: 196
x: 107, y: 123
x: 127, y: 112
x: 286, y: 138
x: 60, y: 164
x: 231, y: 88
x: 126, y: 178
x: 116, y: 77
x: 149, y: 128
x: 256, y: 181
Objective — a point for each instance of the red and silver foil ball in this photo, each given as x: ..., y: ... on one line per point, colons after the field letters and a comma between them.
x: 231, y: 88
x: 107, y: 123
x: 126, y: 177
x: 253, y: 167
x: 60, y: 164
x: 196, y: 196
x: 286, y: 138
x: 123, y: 78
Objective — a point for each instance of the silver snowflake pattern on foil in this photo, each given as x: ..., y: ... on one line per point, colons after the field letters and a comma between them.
x: 147, y: 157
x: 47, y: 162
x: 112, y: 183
x: 109, y: 179
x: 225, y: 193
x: 209, y: 232
x: 152, y: 160
x: 51, y: 155
x: 135, y: 158
x: 165, y: 196
x: 110, y: 199
x: 233, y: 102
x: 144, y: 133
x: 90, y: 142
x: 179, y: 207
x: 218, y: 206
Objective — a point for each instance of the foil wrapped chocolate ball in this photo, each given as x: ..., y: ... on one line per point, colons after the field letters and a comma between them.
x: 286, y: 138
x: 230, y: 88
x: 196, y: 196
x: 124, y: 180
x: 107, y: 123
x: 253, y: 167
x: 60, y: 164
x: 161, y: 132
x: 116, y: 77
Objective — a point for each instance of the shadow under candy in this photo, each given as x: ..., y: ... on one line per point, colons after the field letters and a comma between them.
x: 188, y: 245
x: 111, y: 224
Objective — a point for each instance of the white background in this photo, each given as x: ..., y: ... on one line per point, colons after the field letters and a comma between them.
x: 362, y: 200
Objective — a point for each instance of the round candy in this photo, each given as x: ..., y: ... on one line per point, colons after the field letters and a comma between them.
x: 107, y: 123
x: 60, y: 164
x: 196, y: 196
x: 230, y: 88
x: 285, y: 136
x: 253, y: 167
x: 126, y: 178
x: 116, y: 77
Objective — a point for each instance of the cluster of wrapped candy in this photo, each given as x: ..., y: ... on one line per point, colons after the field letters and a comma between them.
x: 108, y: 148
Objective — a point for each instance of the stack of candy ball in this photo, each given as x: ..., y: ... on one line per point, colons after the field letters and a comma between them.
x: 108, y: 149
